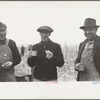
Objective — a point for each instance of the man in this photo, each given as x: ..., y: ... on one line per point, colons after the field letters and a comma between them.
x: 48, y: 57
x: 88, y: 60
x: 9, y: 56
x: 22, y: 50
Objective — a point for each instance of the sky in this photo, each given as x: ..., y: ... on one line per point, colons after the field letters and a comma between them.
x: 65, y: 17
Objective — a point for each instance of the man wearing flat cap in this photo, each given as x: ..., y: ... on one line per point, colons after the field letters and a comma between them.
x: 9, y: 56
x: 45, y: 57
x: 88, y: 61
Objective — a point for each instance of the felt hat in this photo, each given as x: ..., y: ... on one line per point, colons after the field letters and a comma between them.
x: 89, y: 22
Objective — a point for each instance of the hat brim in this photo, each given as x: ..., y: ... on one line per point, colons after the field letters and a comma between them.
x: 82, y: 27
x: 40, y: 30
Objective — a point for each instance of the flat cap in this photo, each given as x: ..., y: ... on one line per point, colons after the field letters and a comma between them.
x: 3, y: 26
x: 45, y: 28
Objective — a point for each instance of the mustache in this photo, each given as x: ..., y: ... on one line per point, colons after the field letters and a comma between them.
x: 87, y: 33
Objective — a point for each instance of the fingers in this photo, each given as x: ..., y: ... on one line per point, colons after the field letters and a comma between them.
x: 49, y: 54
x: 79, y: 67
x: 7, y: 64
x: 32, y: 53
x: 29, y: 55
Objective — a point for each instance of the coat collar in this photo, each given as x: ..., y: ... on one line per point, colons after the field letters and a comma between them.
x: 82, y: 47
x: 96, y: 44
x: 49, y: 42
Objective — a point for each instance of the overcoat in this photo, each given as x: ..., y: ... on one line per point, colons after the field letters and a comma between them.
x: 96, y: 53
x: 45, y: 69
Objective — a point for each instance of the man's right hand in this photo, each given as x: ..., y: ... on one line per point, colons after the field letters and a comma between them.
x: 76, y: 66
x: 79, y: 65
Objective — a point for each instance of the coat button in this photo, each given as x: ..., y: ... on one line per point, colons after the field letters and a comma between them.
x: 88, y: 59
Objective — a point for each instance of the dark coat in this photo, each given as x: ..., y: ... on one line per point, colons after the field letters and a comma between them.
x: 96, y: 53
x: 46, y: 68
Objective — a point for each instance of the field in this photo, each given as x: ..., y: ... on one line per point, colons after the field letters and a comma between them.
x: 65, y: 73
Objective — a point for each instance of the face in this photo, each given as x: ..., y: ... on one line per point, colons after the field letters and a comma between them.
x: 90, y: 32
x: 44, y: 35
x: 3, y: 34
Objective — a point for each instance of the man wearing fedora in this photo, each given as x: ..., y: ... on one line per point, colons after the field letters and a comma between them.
x: 88, y: 61
x: 45, y: 57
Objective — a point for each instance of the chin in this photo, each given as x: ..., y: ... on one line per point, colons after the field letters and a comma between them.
x: 2, y: 38
x: 90, y: 39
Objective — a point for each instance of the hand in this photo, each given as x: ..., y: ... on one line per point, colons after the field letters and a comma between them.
x: 77, y: 66
x: 49, y: 54
x: 29, y: 54
x: 32, y: 53
x: 7, y: 64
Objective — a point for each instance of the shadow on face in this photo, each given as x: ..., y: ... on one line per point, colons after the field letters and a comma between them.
x: 3, y: 34
x: 45, y: 35
x: 90, y: 32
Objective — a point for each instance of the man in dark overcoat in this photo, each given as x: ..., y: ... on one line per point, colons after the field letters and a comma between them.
x: 49, y: 56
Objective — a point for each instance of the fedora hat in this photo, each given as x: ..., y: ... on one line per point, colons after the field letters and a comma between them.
x: 45, y: 28
x: 89, y: 22
x: 2, y: 26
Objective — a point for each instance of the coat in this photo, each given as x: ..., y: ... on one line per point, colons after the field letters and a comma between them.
x: 96, y: 53
x: 45, y: 69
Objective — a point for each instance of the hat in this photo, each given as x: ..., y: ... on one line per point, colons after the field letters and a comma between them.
x: 2, y: 26
x: 46, y: 28
x: 89, y: 22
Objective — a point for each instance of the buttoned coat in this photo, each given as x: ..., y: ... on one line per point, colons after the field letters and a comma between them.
x: 45, y: 69
x: 96, y: 53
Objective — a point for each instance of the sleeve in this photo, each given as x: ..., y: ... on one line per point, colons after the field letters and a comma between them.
x: 57, y: 58
x: 33, y: 60
x: 15, y: 53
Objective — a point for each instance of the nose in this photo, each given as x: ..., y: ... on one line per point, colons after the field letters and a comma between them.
x: 43, y: 34
x: 87, y: 31
x: 1, y: 32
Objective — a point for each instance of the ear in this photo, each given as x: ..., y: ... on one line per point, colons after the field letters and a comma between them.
x: 5, y: 32
x: 49, y: 33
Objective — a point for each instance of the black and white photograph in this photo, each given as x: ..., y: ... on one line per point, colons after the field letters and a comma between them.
x: 50, y: 49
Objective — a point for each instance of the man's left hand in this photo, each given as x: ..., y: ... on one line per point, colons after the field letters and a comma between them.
x: 49, y: 54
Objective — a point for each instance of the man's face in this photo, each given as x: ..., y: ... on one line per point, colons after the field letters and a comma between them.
x: 2, y: 34
x: 90, y: 32
x: 44, y: 35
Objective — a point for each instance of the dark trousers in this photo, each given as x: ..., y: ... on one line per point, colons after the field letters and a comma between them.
x: 20, y: 79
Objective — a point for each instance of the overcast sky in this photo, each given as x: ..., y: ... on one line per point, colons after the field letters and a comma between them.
x: 24, y: 17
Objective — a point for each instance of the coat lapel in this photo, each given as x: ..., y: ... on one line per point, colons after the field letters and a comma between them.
x: 96, y: 44
x: 82, y: 47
